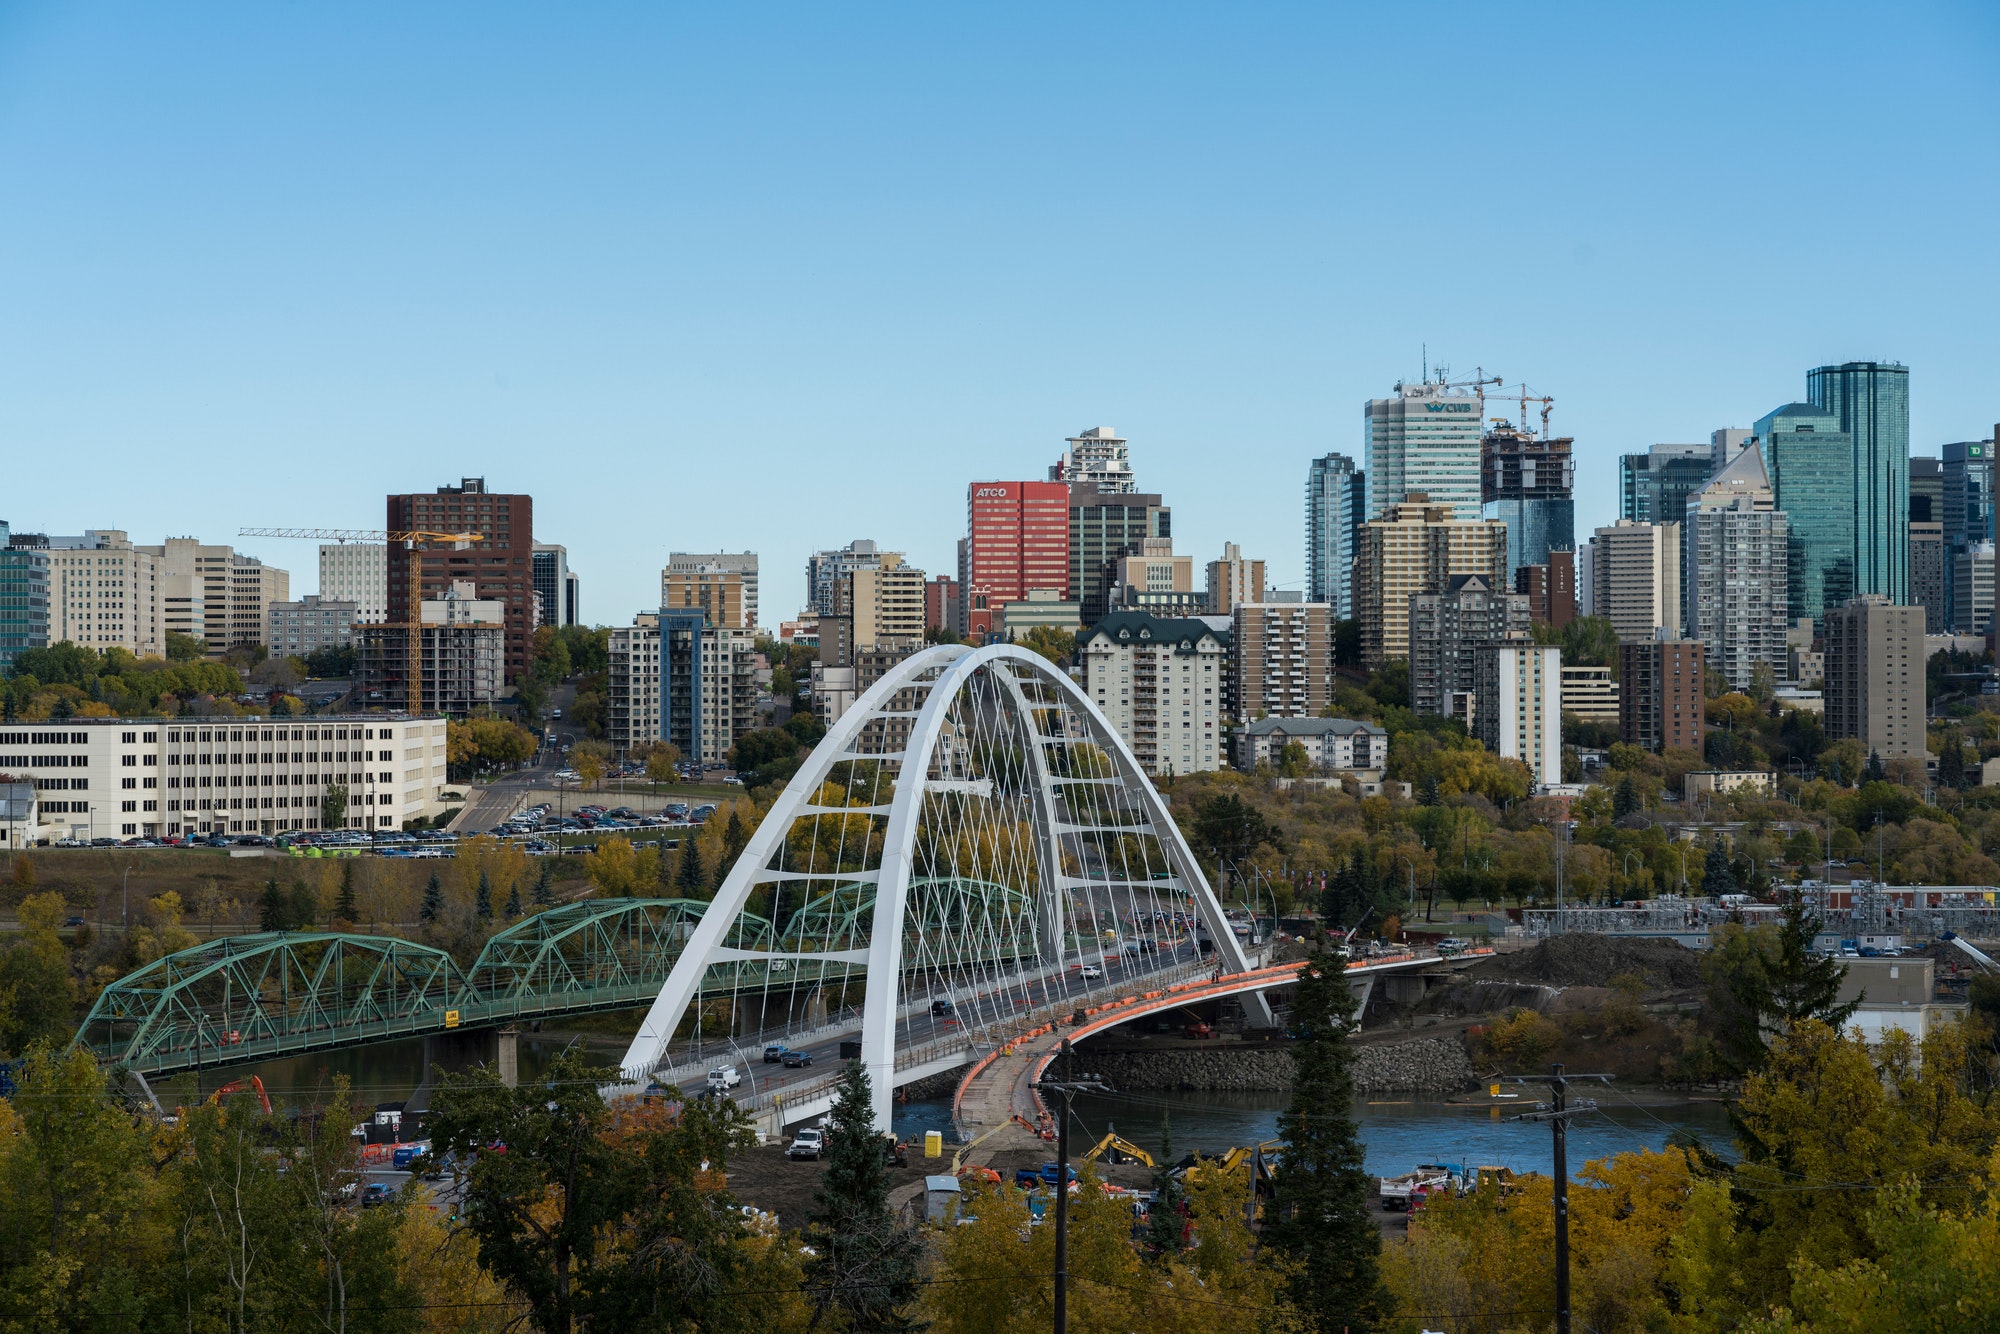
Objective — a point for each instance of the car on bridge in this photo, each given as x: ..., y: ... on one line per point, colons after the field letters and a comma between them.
x: 723, y: 1078
x: 797, y: 1059
x: 1090, y: 972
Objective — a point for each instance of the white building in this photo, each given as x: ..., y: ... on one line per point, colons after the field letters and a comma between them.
x: 1971, y: 586
x: 1333, y: 745
x: 1160, y: 684
x: 1097, y: 457
x: 1517, y: 710
x: 1426, y: 438
x: 697, y: 691
x: 1737, y: 567
x: 1590, y: 694
x: 1635, y: 578
x: 104, y: 592
x: 356, y: 572
x: 297, y: 629
x: 214, y: 593
x: 124, y: 778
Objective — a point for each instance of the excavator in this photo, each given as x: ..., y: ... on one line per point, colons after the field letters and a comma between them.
x: 236, y: 1086
x: 1114, y: 1143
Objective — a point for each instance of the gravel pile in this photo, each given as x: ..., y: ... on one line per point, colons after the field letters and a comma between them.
x: 1584, y: 960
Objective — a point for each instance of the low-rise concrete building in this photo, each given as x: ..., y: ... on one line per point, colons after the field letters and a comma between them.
x: 1712, y: 781
x: 1589, y: 694
x: 310, y: 624
x: 1333, y: 745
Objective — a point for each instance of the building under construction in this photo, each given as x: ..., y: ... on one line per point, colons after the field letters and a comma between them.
x: 463, y: 656
x: 1526, y: 482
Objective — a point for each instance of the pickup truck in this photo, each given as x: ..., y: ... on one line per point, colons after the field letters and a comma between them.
x: 808, y: 1143
x: 723, y: 1078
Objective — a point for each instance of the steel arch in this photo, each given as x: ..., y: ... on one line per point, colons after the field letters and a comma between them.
x: 935, y: 759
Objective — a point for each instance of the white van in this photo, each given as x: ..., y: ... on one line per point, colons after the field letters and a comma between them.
x: 723, y: 1078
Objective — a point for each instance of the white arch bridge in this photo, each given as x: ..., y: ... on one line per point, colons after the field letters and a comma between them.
x: 969, y: 853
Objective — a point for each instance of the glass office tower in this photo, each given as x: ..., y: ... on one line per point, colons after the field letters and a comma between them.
x: 1811, y: 460
x: 1336, y: 507
x: 1871, y: 401
x: 1655, y: 487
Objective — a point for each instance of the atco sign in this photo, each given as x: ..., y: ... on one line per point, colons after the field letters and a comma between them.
x: 980, y: 492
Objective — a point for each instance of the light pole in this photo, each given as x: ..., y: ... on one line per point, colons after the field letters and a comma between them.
x: 125, y: 901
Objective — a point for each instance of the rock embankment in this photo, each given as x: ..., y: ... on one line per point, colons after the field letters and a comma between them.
x: 1423, y: 1065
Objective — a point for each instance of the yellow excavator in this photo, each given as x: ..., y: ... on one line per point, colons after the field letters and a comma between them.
x: 1113, y: 1142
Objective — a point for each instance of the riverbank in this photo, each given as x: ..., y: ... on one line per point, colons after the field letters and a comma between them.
x: 1427, y: 1064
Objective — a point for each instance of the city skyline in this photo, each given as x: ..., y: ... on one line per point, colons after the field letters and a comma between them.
x: 530, y: 250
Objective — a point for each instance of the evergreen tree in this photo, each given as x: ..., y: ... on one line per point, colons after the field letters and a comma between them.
x: 1319, y: 1217
x: 433, y: 903
x: 666, y: 870
x: 345, y: 907
x: 272, y: 910
x: 735, y: 837
x: 513, y: 908
x: 302, y: 911
x: 1763, y: 981
x: 1716, y: 875
x: 545, y: 887
x: 1166, y: 1223
x: 691, y: 880
x: 1951, y: 761
x: 482, y: 899
x: 1626, y: 800
x: 864, y: 1270
x: 1873, y: 772
x: 1427, y: 791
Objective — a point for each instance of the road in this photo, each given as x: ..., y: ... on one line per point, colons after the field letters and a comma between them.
x: 490, y: 805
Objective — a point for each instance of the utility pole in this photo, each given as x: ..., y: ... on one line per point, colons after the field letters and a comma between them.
x: 1064, y: 1089
x: 1558, y: 1115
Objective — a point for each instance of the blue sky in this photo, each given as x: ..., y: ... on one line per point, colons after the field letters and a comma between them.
x: 781, y: 276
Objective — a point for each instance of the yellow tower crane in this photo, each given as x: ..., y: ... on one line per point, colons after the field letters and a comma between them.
x: 414, y: 543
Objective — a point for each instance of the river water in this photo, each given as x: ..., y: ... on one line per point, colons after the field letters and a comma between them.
x: 1398, y: 1132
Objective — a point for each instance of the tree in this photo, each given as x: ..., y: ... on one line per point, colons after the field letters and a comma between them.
x: 1166, y: 1222
x: 1951, y: 760
x: 864, y: 1271
x: 735, y: 837
x: 37, y: 994
x: 333, y: 807
x: 482, y: 897
x: 1873, y: 772
x: 302, y: 908
x: 513, y: 908
x: 1763, y: 981
x: 344, y: 908
x: 1626, y: 800
x: 1716, y: 877
x: 691, y: 880
x: 545, y: 887
x: 663, y: 763
x: 1319, y: 1218
x: 433, y: 903
x: 273, y: 912
x: 613, y: 868
x: 185, y: 648
x: 1228, y: 829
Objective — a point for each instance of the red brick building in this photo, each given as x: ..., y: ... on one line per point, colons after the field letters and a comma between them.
x: 1017, y: 539
x: 1660, y: 693
x: 941, y: 603
x: 500, y: 565
x: 1550, y: 589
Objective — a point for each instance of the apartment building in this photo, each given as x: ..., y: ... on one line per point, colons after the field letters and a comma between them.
x: 295, y: 629
x: 558, y: 592
x: 885, y: 605
x: 825, y: 569
x: 1414, y: 549
x: 1282, y: 656
x: 1635, y: 577
x: 742, y: 563
x: 124, y: 778
x: 674, y: 677
x: 1517, y: 705
x: 1447, y: 628
x: 941, y: 603
x: 1159, y: 683
x: 103, y: 592
x: 712, y: 588
x: 1589, y: 694
x: 1332, y: 745
x: 356, y: 572
x: 1550, y: 589
x: 1736, y: 567
x: 462, y: 640
x: 1233, y: 581
x: 500, y: 564
x: 1875, y: 677
x: 1660, y: 693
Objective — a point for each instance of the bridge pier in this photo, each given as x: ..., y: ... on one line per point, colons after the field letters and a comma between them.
x: 462, y: 1049
x: 508, y: 1058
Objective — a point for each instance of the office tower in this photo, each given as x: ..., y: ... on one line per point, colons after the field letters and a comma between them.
x: 1525, y: 483
x: 1972, y: 583
x: 1926, y: 490
x: 356, y: 572
x: 1875, y: 677
x: 1097, y: 458
x: 103, y: 592
x: 1635, y: 577
x: 883, y: 606
x: 941, y: 603
x: 1660, y: 693
x: 555, y: 585
x: 1517, y: 705
x: 713, y: 589
x: 1159, y: 682
x: 743, y: 563
x: 214, y: 593
x: 1424, y: 441
x: 1726, y: 444
x: 297, y: 629
x: 1017, y: 539
x: 1550, y: 589
x: 1336, y: 507
x: 1928, y: 583
x: 500, y: 565
x: 824, y: 570
x: 1967, y: 512
x: 1414, y: 548
x: 1233, y: 581
x: 1446, y: 628
x: 1736, y: 554
x: 1654, y: 487
x: 1282, y: 656
x: 1811, y: 460
x: 24, y: 598
x: 1103, y: 527
x: 1871, y: 401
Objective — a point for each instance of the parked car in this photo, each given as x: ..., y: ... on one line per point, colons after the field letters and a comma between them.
x: 723, y: 1078
x: 808, y: 1143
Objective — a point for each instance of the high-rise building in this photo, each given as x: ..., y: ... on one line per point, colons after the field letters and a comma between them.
x: 1967, y: 512
x: 1017, y: 539
x: 1157, y: 581
x: 824, y: 570
x: 1550, y: 589
x: 1233, y: 581
x: 1424, y: 441
x: 1096, y: 457
x: 24, y: 598
x: 1926, y: 490
x: 1635, y: 577
x: 500, y: 565
x: 1104, y: 527
x: 1517, y: 705
x: 1736, y: 554
x: 556, y: 586
x: 941, y: 603
x: 883, y: 606
x: 462, y: 640
x: 743, y: 563
x: 1336, y: 507
x: 1525, y: 483
x: 1589, y: 694
x: 298, y: 629
x: 1446, y: 628
x: 1871, y: 401
x: 1726, y: 444
x: 1875, y: 676
x: 1159, y: 682
x: 356, y: 572
x: 214, y: 593
x: 1972, y: 582
x: 1414, y: 548
x: 1812, y: 472
x: 1661, y: 693
x: 1282, y: 656
x: 698, y: 691
x: 1654, y: 487
x: 103, y: 592
x: 713, y: 589
x: 1928, y: 583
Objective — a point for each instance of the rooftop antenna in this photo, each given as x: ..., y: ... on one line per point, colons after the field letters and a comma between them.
x: 1427, y: 361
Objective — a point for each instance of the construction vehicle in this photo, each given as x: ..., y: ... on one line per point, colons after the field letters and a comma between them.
x: 1980, y: 957
x: 414, y: 542
x: 236, y: 1086
x: 1114, y: 1143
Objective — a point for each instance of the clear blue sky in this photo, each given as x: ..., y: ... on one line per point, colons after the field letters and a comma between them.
x: 779, y: 276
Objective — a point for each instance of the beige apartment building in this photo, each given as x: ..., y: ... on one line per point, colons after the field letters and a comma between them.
x: 104, y: 593
x: 1635, y: 578
x: 1875, y: 677
x: 1233, y: 580
x: 1413, y: 550
x: 1159, y: 682
x: 709, y: 587
x: 886, y: 604
x: 1283, y: 658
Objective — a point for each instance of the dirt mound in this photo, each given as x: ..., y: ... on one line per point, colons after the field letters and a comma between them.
x: 1583, y: 960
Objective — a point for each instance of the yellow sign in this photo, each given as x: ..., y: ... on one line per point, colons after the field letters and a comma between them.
x: 1492, y: 1090
x: 451, y: 1018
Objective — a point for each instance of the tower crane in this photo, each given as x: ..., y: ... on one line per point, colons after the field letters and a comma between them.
x: 413, y: 542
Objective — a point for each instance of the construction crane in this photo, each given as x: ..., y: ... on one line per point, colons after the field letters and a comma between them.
x: 413, y: 542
